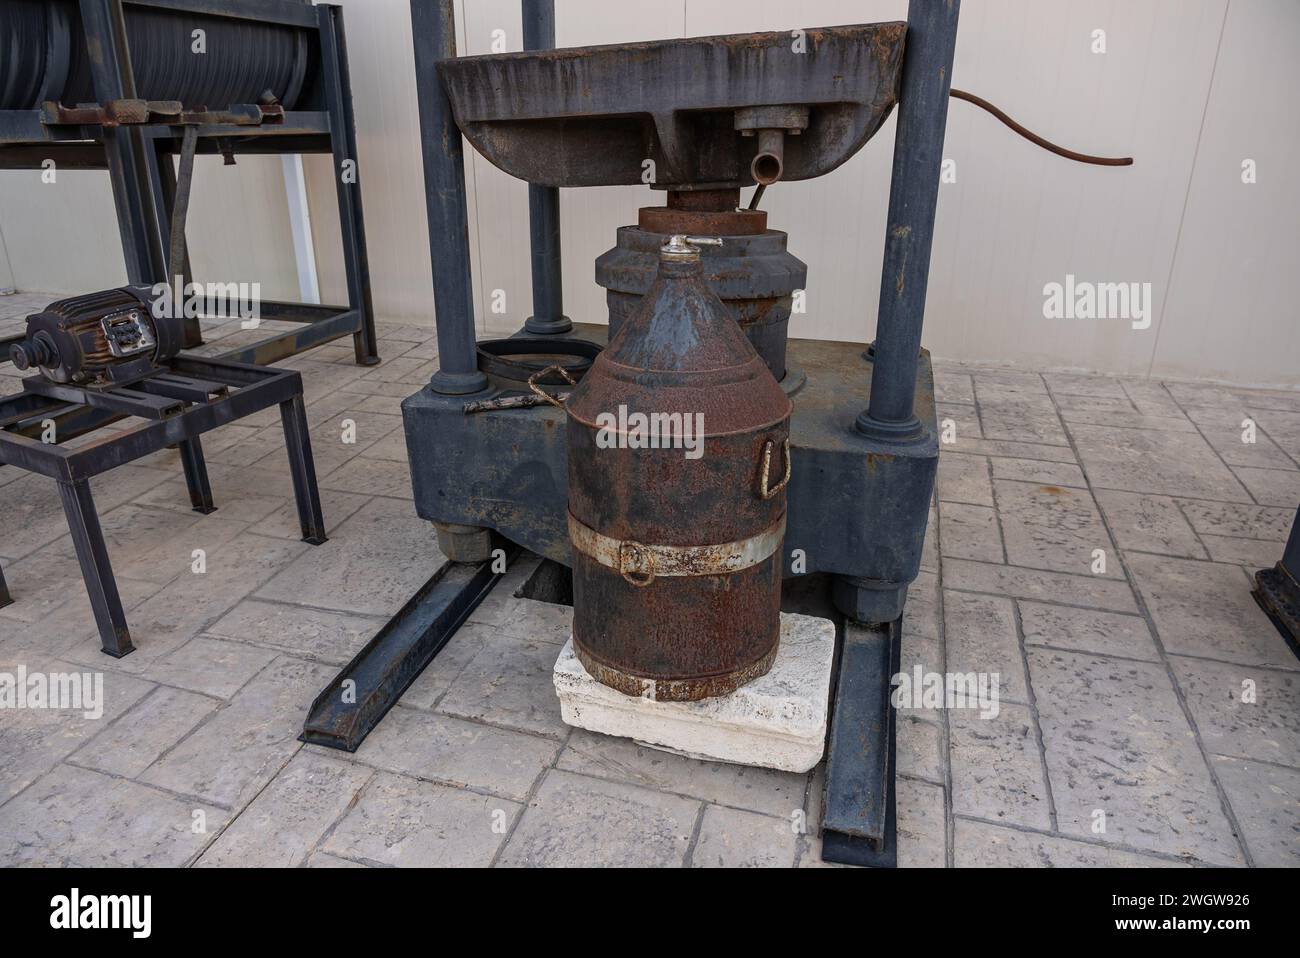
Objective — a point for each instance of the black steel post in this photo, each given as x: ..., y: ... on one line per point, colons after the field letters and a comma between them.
x: 96, y: 570
x: 544, y: 203
x: 196, y: 476
x: 913, y: 196
x: 343, y: 142
x: 433, y: 30
x: 163, y: 177
x: 5, y: 597
x: 124, y: 148
x: 306, y: 494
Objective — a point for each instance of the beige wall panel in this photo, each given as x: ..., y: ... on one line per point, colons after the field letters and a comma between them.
x: 1232, y: 314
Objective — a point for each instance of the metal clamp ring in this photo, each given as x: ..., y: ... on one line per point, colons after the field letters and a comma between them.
x: 639, y: 556
x: 538, y: 390
x: 763, y: 491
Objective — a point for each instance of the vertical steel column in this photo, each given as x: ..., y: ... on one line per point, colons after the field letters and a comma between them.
x: 5, y: 597
x: 302, y: 468
x: 913, y: 196
x: 124, y: 150
x: 92, y: 554
x: 196, y: 476
x: 343, y: 141
x: 544, y: 203
x: 433, y: 29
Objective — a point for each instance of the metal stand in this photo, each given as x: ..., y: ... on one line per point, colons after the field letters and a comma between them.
x: 135, y: 139
x: 180, y: 402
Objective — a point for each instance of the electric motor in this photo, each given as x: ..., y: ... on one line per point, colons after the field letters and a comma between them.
x: 104, y: 337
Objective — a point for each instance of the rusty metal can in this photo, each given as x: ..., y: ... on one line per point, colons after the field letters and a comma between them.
x: 678, y: 458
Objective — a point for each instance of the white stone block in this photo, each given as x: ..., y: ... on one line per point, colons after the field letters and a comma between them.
x: 777, y: 721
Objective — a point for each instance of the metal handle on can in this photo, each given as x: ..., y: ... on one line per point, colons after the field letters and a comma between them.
x: 639, y: 556
x: 763, y: 491
x: 539, y: 391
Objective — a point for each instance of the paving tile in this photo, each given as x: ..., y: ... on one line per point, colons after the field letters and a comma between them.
x: 1266, y: 801
x: 757, y: 789
x: 1117, y: 411
x: 1271, y: 487
x: 730, y: 838
x: 984, y: 845
x: 1053, y: 527
x: 193, y: 601
x: 282, y: 825
x: 930, y: 544
x: 1076, y: 384
x: 1036, y: 470
x: 455, y: 752
x: 210, y: 665
x: 33, y: 740
x: 402, y: 822
x: 32, y: 514
x: 379, y: 477
x: 1087, y: 630
x: 1151, y: 398
x: 1282, y: 427
x: 432, y: 683
x: 1155, y: 461
x: 997, y: 773
x: 1205, y: 609
x: 1009, y: 384
x: 1253, y: 553
x: 391, y: 446
x: 1012, y: 450
x: 79, y: 817
x: 333, y: 637
x: 953, y: 387
x: 920, y: 747
x: 964, y: 479
x: 1233, y: 519
x: 1227, y: 430
x: 981, y: 634
x: 336, y: 507
x: 1021, y: 420
x: 233, y: 755
x: 373, y: 564
x: 1021, y: 583
x: 958, y: 424
x: 921, y: 612
x: 526, y: 618
x: 578, y: 821
x: 1117, y: 743
x: 508, y: 683
x: 1267, y: 729
x: 969, y: 532
x: 1149, y: 524
x: 922, y: 825
x: 242, y: 493
x: 145, y: 732
x: 322, y: 860
x: 143, y: 543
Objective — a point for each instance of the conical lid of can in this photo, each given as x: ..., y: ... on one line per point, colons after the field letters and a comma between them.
x: 681, y: 350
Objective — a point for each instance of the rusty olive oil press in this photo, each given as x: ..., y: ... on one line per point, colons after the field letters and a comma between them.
x: 804, y: 475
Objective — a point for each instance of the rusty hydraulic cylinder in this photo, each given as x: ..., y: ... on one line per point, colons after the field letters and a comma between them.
x: 678, y: 459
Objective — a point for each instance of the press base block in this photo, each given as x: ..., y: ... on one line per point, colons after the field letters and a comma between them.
x: 777, y: 721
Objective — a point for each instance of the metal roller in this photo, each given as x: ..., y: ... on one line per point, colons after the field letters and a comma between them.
x: 46, y: 57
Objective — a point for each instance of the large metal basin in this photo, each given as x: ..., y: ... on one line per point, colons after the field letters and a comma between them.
x: 594, y: 116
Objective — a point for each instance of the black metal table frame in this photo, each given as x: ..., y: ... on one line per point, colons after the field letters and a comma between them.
x: 138, y: 158
x: 183, y: 400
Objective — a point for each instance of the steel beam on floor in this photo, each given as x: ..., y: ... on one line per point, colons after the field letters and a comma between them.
x: 360, y: 695
x: 859, y: 821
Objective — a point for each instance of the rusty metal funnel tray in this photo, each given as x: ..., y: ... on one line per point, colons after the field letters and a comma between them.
x: 700, y: 112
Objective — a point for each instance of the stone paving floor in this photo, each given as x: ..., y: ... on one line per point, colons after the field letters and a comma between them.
x: 1092, y: 543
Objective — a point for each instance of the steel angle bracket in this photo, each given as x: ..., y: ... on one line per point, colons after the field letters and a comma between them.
x: 353, y: 703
